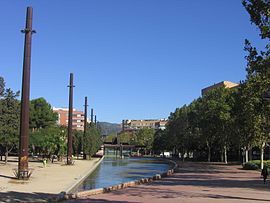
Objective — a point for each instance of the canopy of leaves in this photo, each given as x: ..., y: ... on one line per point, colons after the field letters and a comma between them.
x: 41, y: 114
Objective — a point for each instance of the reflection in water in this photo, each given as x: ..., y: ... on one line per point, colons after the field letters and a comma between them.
x: 114, y: 171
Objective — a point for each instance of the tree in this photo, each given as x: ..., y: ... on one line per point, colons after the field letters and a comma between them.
x: 92, y: 140
x: 77, y: 141
x: 49, y: 141
x: 259, y: 11
x: 41, y: 114
x: 258, y: 75
x: 145, y: 137
x: 9, y: 120
x: 2, y: 86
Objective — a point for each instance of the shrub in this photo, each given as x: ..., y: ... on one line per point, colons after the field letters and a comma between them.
x: 256, y: 164
x: 250, y: 166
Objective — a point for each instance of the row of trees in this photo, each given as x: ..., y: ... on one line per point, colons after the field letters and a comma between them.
x: 46, y: 137
x: 228, y: 120
x: 143, y: 137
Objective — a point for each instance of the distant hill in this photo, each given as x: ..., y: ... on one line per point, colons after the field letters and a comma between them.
x: 109, y: 128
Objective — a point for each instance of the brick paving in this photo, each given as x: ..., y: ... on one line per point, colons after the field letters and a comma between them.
x: 195, y: 182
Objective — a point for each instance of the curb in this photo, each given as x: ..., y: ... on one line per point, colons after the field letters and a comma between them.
x: 66, y: 196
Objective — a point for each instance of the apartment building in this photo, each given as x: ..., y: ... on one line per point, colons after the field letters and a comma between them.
x: 226, y: 84
x: 77, y: 118
x: 130, y: 125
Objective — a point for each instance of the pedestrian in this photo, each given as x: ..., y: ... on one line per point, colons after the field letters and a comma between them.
x: 264, y: 174
x: 44, y: 162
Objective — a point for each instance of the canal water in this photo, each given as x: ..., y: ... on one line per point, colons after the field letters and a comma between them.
x: 113, y: 171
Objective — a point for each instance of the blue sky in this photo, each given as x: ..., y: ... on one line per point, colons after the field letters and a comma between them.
x: 134, y: 59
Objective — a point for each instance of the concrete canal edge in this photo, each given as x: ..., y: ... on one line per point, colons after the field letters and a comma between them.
x: 67, y: 196
x: 68, y: 191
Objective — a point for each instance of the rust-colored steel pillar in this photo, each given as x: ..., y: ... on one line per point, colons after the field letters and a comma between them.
x: 70, y: 113
x: 85, y: 115
x: 23, y: 171
x: 85, y: 125
x: 92, y: 118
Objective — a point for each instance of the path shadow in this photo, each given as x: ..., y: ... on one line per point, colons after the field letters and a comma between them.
x: 8, y: 177
x: 97, y: 201
x: 13, y: 196
x: 158, y: 193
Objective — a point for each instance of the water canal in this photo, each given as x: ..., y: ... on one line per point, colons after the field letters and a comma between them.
x: 114, y: 171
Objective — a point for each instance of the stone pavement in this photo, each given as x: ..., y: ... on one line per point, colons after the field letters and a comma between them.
x: 44, y: 183
x: 195, y: 182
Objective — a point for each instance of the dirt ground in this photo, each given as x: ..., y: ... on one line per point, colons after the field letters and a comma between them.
x: 195, y: 182
x: 44, y: 183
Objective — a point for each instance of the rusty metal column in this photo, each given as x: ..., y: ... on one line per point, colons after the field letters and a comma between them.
x: 85, y: 124
x: 92, y: 114
x: 85, y: 114
x: 70, y: 113
x: 23, y: 172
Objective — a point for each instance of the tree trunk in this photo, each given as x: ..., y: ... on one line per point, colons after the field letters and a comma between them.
x: 246, y: 155
x: 250, y: 154
x: 222, y: 155
x: 225, y: 155
x: 6, y: 155
x: 262, y: 152
x: 209, y: 151
x: 209, y: 154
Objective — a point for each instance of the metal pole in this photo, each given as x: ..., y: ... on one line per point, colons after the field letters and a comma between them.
x: 85, y: 124
x: 123, y: 125
x: 92, y: 114
x: 23, y: 172
x: 95, y: 120
x: 70, y: 112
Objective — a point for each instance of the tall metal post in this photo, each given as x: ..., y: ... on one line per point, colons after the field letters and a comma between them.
x: 123, y: 125
x: 95, y: 120
x: 70, y: 112
x: 23, y: 172
x: 92, y: 114
x: 85, y: 123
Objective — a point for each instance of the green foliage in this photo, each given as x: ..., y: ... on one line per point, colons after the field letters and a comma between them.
x: 255, y: 164
x: 2, y: 86
x: 49, y: 140
x: 224, y: 120
x: 9, y: 118
x: 259, y: 11
x: 145, y: 137
x: 110, y: 137
x: 124, y: 137
x: 250, y: 166
x: 77, y: 141
x: 91, y: 140
x: 41, y: 114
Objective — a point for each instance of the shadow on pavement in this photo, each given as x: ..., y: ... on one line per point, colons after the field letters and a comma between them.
x: 24, y: 197
x: 98, y: 201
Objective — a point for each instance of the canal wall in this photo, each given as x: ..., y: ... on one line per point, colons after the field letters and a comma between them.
x: 70, y: 188
x: 66, y: 196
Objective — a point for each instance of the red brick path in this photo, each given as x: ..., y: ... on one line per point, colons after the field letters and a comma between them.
x: 195, y: 182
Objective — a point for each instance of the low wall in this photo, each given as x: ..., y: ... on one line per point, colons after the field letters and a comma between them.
x: 66, y: 196
x: 69, y: 190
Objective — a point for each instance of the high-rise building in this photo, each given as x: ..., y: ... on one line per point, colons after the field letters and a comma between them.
x: 77, y: 118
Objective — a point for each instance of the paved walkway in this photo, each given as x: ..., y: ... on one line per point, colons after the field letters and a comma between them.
x: 195, y: 182
x: 44, y: 182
